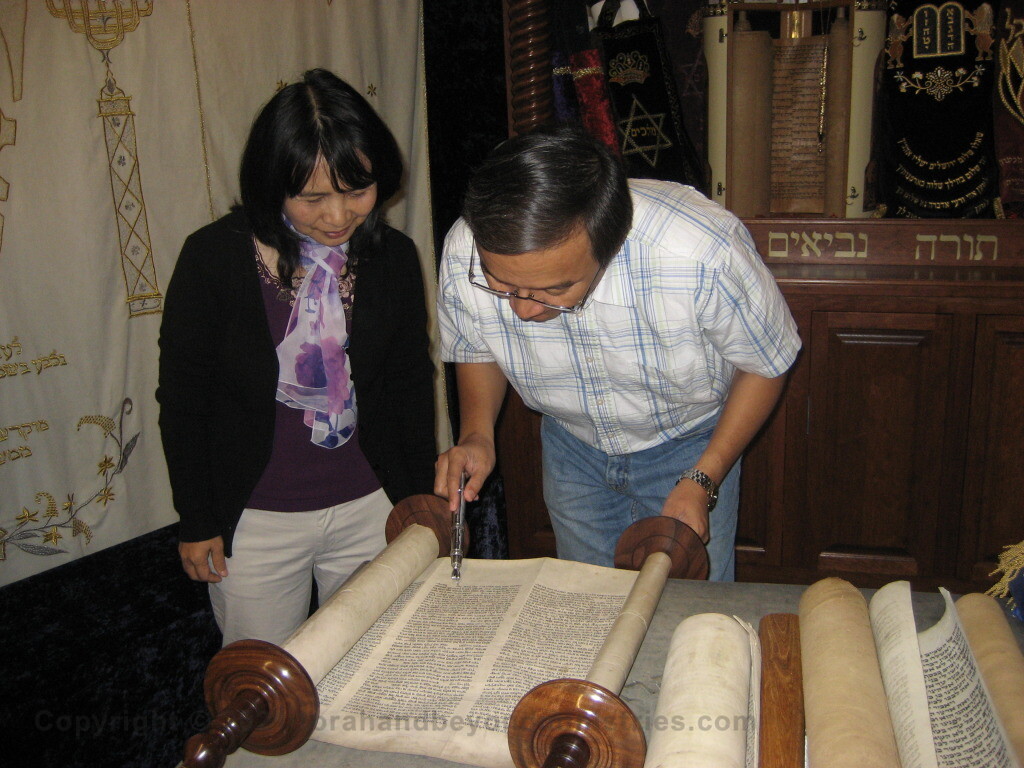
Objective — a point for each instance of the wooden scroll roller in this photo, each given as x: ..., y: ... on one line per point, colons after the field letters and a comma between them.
x: 572, y: 723
x: 263, y: 696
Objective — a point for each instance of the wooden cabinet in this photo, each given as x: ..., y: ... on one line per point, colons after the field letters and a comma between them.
x: 897, y: 450
x: 993, y: 487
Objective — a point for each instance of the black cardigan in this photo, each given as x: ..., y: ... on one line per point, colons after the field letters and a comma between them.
x: 219, y: 369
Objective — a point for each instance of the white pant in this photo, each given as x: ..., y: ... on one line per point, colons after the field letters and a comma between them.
x: 267, y: 591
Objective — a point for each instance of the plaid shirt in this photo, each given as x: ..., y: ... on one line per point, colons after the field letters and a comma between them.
x: 685, y: 302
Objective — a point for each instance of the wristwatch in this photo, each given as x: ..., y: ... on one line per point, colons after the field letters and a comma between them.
x: 705, y: 482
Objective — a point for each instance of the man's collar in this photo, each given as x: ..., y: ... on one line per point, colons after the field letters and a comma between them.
x: 615, y: 287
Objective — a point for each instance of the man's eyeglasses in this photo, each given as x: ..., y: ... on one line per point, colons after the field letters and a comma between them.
x: 574, y: 309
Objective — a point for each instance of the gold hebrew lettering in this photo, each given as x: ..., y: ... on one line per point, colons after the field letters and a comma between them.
x: 846, y: 253
x: 810, y: 243
x: 970, y: 242
x: 951, y: 239
x: 925, y: 239
x: 988, y: 239
x: 863, y: 253
x: 13, y: 369
x: 52, y: 360
x: 7, y: 350
x: 24, y: 430
x: 773, y: 251
x: 21, y: 452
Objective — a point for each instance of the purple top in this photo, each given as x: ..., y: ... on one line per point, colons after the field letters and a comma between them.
x: 302, y: 476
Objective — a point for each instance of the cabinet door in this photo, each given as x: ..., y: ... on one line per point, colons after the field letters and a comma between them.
x: 879, y: 395
x: 993, y: 510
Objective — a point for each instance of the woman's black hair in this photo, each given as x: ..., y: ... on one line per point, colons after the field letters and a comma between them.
x: 319, y: 116
x: 534, y: 191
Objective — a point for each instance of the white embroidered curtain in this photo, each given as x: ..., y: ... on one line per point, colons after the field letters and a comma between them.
x: 121, y: 127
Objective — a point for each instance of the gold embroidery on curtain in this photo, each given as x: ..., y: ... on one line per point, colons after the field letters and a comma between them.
x: 39, y: 531
x: 1011, y: 66
x: 105, y: 26
x: 12, y: 33
x: 202, y: 114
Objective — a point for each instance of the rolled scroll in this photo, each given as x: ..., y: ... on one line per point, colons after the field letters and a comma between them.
x: 837, y: 114
x: 1000, y: 661
x: 845, y: 707
x: 706, y: 715
x: 750, y: 121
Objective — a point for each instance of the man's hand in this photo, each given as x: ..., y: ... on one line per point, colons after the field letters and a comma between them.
x: 481, y: 392
x: 749, y: 403
x: 688, y: 502
x: 196, y: 557
x: 475, y: 456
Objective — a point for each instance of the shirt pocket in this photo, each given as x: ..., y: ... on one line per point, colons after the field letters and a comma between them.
x: 659, y: 394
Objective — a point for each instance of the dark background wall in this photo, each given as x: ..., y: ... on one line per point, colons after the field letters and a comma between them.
x: 466, y: 118
x: 466, y: 115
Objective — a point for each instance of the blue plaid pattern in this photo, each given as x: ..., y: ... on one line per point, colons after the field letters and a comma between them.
x: 685, y: 302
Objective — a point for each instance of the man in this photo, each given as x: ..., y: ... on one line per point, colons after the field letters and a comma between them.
x: 636, y: 316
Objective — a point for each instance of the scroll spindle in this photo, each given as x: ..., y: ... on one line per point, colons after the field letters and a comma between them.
x: 263, y: 696
x: 572, y: 723
x: 227, y: 731
x: 569, y: 750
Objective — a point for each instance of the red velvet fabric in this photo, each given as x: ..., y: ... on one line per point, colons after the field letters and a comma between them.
x: 592, y: 94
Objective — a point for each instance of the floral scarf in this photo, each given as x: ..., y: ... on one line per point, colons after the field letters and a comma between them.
x: 315, y: 372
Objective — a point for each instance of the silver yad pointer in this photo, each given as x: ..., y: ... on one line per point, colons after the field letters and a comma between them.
x: 458, y: 521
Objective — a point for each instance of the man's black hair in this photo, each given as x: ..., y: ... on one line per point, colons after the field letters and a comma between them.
x: 536, y: 190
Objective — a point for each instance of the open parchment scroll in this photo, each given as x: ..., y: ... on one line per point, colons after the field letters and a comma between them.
x: 405, y: 660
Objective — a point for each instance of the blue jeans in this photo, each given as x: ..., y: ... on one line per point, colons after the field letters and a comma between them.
x: 593, y: 497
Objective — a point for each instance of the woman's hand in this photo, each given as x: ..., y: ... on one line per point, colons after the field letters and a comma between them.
x: 196, y: 557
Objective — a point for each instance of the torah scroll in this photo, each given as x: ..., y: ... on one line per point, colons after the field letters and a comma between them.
x: 880, y: 693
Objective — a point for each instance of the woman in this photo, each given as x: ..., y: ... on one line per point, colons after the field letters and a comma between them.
x: 295, y: 390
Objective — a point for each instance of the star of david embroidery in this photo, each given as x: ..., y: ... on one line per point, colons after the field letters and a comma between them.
x: 693, y: 75
x: 642, y: 133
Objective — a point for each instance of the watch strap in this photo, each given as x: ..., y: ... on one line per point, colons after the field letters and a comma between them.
x: 710, y: 486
